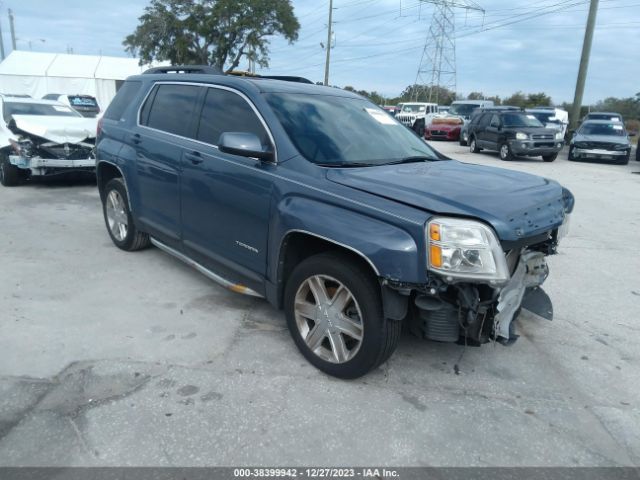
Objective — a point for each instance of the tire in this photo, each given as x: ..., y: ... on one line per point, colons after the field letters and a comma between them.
x: 473, y: 146
x: 505, y: 152
x: 10, y: 175
x: 570, y: 155
x: 462, y: 141
x: 115, y: 208
x: 329, y: 274
x: 549, y: 158
x: 625, y: 159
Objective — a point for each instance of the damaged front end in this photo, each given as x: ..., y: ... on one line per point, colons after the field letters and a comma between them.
x: 477, y: 288
x: 44, y: 151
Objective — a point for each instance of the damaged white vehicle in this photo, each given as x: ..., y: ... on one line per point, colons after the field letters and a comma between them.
x: 43, y: 137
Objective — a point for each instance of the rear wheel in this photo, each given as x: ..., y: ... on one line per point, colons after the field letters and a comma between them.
x: 505, y: 152
x: 10, y: 175
x: 334, y: 314
x: 118, y: 219
x: 473, y: 146
x: 549, y: 158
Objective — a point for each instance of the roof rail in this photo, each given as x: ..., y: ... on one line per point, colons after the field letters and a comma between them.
x: 206, y: 69
x: 287, y: 78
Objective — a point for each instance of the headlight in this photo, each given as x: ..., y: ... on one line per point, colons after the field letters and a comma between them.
x: 465, y: 250
x: 559, y: 136
x: 522, y: 136
x: 622, y: 146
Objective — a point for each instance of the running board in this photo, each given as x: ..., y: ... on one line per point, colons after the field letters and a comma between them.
x: 234, y: 287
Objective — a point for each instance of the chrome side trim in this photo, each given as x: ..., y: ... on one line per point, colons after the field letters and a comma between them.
x: 126, y: 188
x: 295, y: 230
x: 234, y: 287
x: 207, y: 85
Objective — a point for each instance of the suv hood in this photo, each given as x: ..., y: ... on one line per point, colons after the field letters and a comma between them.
x: 517, y: 205
x: 57, y: 129
x: 601, y: 139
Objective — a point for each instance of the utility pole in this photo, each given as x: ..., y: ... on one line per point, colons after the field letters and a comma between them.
x: 13, y: 30
x: 326, y: 65
x: 1, y: 44
x: 584, y: 64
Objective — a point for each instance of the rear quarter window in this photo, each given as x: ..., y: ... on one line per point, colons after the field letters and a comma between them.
x: 122, y: 100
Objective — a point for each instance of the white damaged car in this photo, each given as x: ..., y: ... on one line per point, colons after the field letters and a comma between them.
x: 43, y: 137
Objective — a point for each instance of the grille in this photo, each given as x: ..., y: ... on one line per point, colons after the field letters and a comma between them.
x: 67, y: 151
x: 544, y: 136
x: 597, y: 145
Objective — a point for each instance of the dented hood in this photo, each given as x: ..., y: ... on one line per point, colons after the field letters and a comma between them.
x: 57, y: 128
x: 516, y: 204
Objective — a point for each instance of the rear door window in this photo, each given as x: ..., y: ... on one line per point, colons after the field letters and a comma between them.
x: 225, y: 111
x: 170, y: 108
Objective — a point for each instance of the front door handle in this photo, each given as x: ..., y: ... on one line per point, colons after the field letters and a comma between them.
x: 194, y: 157
x: 135, y: 138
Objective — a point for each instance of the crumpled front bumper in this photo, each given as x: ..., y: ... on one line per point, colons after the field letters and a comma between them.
x: 599, y: 153
x: 530, y: 273
x: 40, y: 166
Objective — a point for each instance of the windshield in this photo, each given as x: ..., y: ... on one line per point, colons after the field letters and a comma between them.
x: 545, y: 117
x: 339, y: 131
x: 462, y: 109
x: 82, y: 101
x: 413, y: 108
x: 520, y: 120
x: 19, y: 108
x: 602, y: 129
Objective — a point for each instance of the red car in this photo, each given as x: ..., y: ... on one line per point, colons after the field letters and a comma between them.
x: 445, y: 128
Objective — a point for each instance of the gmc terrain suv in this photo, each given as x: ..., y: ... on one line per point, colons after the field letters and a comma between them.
x: 322, y: 203
x: 514, y: 133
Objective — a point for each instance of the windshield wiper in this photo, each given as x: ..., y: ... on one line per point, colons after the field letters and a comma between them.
x: 346, y: 164
x: 413, y: 159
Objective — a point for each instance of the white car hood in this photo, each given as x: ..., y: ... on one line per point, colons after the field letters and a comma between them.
x: 56, y: 128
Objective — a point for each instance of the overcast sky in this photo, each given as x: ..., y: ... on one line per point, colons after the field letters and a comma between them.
x: 527, y: 45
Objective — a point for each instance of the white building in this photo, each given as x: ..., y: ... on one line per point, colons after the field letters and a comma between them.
x: 37, y: 74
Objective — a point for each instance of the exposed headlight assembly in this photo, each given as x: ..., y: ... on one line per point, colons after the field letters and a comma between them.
x: 461, y: 249
x: 522, y: 136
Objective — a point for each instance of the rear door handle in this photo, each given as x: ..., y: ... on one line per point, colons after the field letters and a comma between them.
x: 135, y: 138
x: 194, y: 157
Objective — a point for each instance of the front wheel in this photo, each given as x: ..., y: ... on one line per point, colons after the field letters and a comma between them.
x: 10, y: 175
x: 505, y: 152
x: 118, y: 219
x: 549, y: 158
x: 572, y: 154
x: 334, y: 314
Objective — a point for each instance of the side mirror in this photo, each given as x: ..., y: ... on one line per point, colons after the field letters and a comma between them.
x: 244, y: 144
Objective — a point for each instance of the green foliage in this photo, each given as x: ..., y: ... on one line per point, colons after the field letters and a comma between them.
x: 530, y: 100
x: 211, y: 32
x: 422, y: 93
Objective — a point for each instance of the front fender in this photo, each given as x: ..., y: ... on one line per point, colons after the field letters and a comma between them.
x: 389, y: 249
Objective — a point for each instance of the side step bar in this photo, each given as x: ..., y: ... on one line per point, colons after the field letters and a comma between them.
x: 234, y: 287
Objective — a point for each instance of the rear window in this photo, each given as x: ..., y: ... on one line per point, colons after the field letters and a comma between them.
x: 82, y: 101
x: 122, y: 100
x: 170, y: 108
x: 18, y: 108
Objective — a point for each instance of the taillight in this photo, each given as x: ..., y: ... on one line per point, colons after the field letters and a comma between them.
x: 99, y: 129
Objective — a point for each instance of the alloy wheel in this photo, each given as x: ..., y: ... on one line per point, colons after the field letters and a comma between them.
x: 329, y: 319
x: 117, y: 217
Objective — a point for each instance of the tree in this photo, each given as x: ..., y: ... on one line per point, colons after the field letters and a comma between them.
x: 211, y: 32
x: 420, y: 93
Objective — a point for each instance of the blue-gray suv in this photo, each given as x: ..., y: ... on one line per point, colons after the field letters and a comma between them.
x: 319, y: 201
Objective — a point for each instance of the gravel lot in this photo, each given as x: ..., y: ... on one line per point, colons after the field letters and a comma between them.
x: 114, y: 358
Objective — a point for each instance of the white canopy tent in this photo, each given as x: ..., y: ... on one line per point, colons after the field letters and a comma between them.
x: 37, y: 74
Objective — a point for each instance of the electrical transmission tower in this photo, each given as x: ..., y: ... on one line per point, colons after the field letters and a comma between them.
x: 437, y: 67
